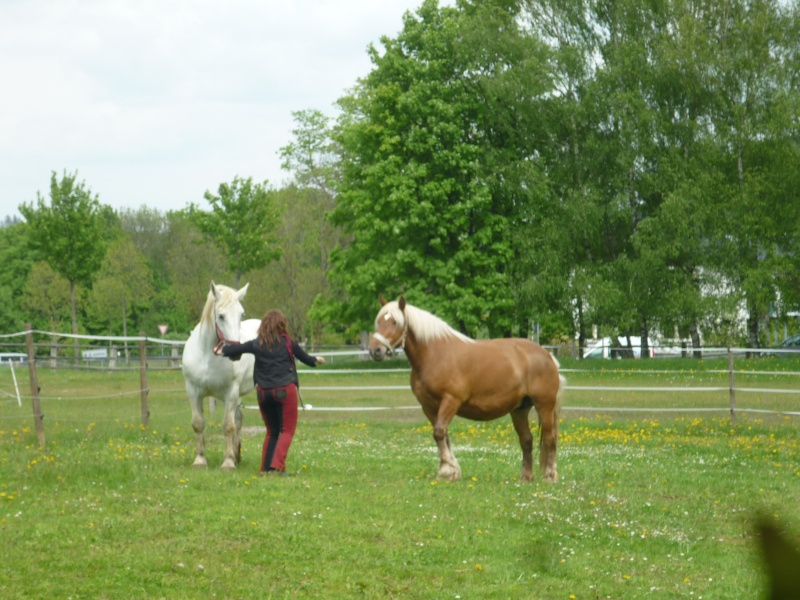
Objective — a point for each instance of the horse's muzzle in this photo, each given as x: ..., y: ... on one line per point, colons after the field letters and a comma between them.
x: 378, y: 353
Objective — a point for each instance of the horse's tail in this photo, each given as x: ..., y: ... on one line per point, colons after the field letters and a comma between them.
x: 562, y: 385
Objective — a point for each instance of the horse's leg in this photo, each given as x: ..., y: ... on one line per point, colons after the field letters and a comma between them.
x: 548, y: 438
x: 519, y: 417
x: 229, y: 429
x: 199, y: 425
x: 449, y: 469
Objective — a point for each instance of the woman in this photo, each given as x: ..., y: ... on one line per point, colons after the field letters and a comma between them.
x: 275, y: 376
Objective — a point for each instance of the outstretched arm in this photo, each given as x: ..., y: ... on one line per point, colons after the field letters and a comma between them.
x: 233, y: 351
x: 303, y: 356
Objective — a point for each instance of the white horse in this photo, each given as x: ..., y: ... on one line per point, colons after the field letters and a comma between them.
x: 207, y: 374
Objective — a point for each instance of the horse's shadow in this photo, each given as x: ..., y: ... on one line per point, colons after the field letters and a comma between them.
x: 781, y: 560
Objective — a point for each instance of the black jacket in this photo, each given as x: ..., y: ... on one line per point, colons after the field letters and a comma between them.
x: 274, y: 366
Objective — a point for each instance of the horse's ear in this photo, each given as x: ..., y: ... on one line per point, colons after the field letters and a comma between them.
x: 402, y: 303
x: 214, y: 289
x: 242, y: 292
x: 382, y: 300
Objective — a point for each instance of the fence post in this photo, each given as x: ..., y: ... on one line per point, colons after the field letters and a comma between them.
x: 143, y: 378
x: 38, y: 417
x: 732, y: 386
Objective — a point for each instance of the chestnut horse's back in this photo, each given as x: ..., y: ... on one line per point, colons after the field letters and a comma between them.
x: 529, y: 366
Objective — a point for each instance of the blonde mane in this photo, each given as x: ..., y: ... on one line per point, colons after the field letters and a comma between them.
x: 227, y: 296
x: 425, y: 326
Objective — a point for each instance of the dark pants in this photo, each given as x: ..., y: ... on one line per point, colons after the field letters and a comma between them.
x: 279, y: 410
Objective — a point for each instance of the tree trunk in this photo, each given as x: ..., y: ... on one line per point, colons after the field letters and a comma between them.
x: 645, y: 345
x: 125, y: 330
x: 581, y: 331
x: 694, y: 333
x: 752, y: 330
x: 74, y: 316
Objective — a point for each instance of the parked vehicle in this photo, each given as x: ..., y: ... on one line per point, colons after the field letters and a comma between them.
x: 6, y: 358
x: 608, y: 348
x: 791, y: 345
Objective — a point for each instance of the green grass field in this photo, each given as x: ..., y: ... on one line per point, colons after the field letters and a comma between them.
x: 648, y: 505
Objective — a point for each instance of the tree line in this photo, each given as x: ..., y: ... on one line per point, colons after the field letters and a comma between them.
x: 615, y: 163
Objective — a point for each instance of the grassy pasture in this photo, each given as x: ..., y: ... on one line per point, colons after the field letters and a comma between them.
x: 656, y: 506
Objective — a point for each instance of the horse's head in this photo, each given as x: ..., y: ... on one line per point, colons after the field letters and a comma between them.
x: 227, y: 312
x: 390, y: 329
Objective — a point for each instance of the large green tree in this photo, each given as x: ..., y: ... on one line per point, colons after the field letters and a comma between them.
x: 191, y: 264
x: 307, y: 235
x: 46, y: 293
x: 148, y: 229
x: 242, y: 223
x: 295, y: 280
x: 561, y: 270
x: 427, y: 191
x: 16, y: 261
x: 123, y: 284
x: 70, y: 233
x: 755, y: 121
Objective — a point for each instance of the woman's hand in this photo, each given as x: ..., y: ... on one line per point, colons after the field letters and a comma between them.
x: 320, y: 360
x: 218, y: 348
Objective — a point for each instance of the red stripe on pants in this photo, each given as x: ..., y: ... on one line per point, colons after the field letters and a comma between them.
x: 280, y: 417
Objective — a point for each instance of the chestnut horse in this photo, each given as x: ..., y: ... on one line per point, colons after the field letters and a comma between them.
x: 452, y: 374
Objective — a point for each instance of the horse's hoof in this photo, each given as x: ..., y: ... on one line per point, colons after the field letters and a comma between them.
x: 550, y: 477
x: 228, y: 465
x: 449, y: 475
x: 526, y: 476
x: 199, y: 463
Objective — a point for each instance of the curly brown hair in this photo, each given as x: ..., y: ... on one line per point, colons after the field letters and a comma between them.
x: 273, y: 326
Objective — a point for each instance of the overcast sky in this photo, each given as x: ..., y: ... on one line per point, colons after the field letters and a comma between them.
x: 153, y: 102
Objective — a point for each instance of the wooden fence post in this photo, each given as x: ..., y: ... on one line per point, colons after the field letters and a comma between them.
x: 732, y: 386
x: 38, y: 417
x: 143, y: 378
